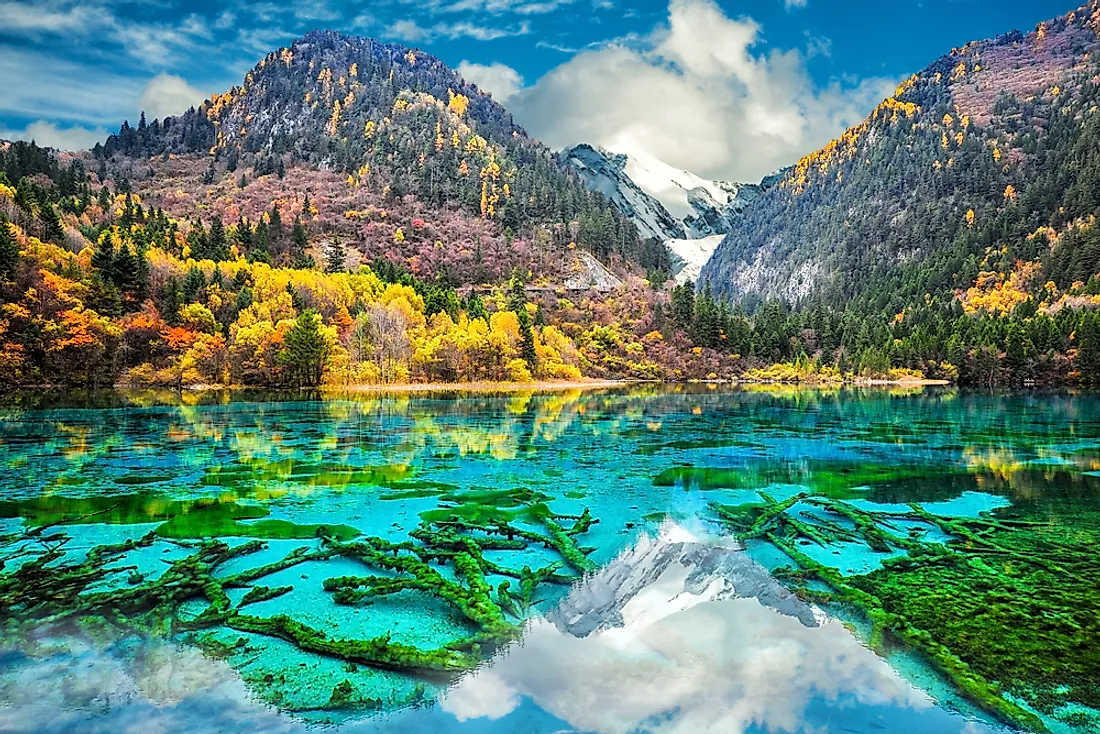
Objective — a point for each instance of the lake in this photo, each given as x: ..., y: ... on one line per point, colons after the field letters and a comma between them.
x: 666, y: 559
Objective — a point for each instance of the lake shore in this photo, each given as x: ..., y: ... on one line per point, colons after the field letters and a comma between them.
x: 540, y: 386
x: 560, y: 385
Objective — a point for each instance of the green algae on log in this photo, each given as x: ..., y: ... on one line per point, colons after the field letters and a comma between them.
x: 378, y: 652
x: 42, y: 586
x: 1008, y: 609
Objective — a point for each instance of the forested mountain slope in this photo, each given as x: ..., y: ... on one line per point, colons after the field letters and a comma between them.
x: 982, y: 172
x: 377, y: 144
x: 354, y: 212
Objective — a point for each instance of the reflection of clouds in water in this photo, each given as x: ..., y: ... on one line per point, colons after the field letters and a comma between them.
x: 484, y: 695
x: 657, y: 657
x: 64, y: 686
x: 688, y: 663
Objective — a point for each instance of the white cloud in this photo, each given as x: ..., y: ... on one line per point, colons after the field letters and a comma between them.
x: 407, y: 30
x: 792, y: 4
x: 482, y: 696
x: 49, y: 135
x: 696, y: 94
x: 159, y: 45
x: 410, y: 31
x: 520, y: 7
x: 226, y: 20
x: 818, y: 45
x: 363, y: 21
x: 479, y: 32
x: 497, y: 79
x: 33, y: 19
x: 167, y: 94
x: 151, y: 43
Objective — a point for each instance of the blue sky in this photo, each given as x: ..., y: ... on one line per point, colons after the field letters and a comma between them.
x: 780, y: 76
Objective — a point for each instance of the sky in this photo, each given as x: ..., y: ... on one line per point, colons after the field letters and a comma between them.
x: 728, y: 89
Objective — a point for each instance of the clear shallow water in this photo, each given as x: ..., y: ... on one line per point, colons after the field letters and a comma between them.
x: 678, y: 627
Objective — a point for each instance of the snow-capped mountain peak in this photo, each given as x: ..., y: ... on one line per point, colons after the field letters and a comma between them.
x: 672, y: 186
x: 688, y: 213
x: 605, y: 172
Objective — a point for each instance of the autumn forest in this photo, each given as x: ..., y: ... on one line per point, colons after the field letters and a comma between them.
x: 356, y: 212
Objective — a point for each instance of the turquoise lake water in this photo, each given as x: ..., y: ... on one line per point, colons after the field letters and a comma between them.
x: 664, y: 559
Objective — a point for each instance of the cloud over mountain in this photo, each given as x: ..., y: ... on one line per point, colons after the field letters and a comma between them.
x: 699, y: 92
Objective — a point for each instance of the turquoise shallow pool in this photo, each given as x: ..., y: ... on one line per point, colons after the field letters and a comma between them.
x: 654, y: 559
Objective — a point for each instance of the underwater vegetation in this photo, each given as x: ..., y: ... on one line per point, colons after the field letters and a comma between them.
x: 449, y: 557
x: 181, y: 519
x: 1006, y: 606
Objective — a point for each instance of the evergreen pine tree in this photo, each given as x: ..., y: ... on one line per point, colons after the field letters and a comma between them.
x: 475, y: 308
x: 1088, y: 349
x: 527, y: 339
x: 307, y: 350
x: 51, y: 224
x: 9, y: 249
x: 299, y: 243
x: 217, y: 245
x: 197, y: 241
x: 335, y: 256
x: 192, y: 284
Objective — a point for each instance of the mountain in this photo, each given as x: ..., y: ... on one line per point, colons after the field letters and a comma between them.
x: 384, y: 147
x: 664, y: 202
x: 977, y: 178
x: 606, y: 173
x: 687, y: 213
x: 354, y: 212
x: 689, y: 256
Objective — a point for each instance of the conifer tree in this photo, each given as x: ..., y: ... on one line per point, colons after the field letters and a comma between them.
x: 1088, y: 349
x: 527, y: 339
x: 307, y: 350
x: 9, y: 249
x: 299, y: 243
x: 475, y: 308
x: 335, y: 256
x: 217, y: 245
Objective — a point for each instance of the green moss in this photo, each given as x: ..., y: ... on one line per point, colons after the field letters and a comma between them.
x: 264, y: 593
x: 222, y: 523
x: 190, y: 597
x: 379, y: 652
x: 181, y: 519
x: 1008, y: 609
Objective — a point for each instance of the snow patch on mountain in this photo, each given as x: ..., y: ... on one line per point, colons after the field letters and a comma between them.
x: 689, y: 256
x: 673, y: 187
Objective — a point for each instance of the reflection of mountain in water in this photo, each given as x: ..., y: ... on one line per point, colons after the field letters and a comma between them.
x: 674, y: 635
x: 712, y: 573
x: 677, y: 635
